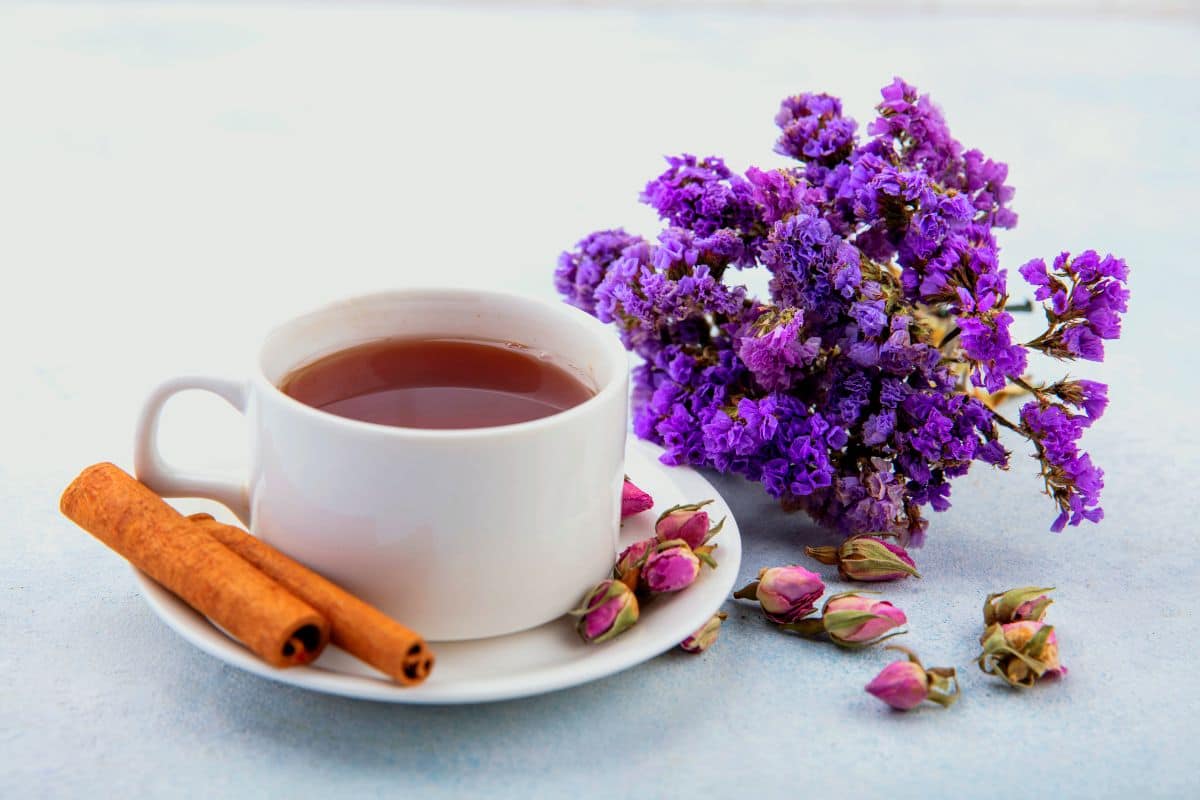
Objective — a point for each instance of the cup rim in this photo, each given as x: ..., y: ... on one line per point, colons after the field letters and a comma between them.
x: 610, y: 345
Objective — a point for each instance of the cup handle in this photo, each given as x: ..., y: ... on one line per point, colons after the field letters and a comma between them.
x: 170, y: 481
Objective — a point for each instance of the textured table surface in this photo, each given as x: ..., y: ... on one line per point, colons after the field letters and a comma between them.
x: 173, y: 177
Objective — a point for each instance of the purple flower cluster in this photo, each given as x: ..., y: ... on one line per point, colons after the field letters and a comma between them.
x: 580, y: 272
x: 1071, y: 479
x: 1085, y: 297
x: 704, y: 197
x: 814, y: 129
x: 860, y: 388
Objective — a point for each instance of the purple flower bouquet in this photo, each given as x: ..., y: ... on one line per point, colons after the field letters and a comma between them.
x: 869, y: 379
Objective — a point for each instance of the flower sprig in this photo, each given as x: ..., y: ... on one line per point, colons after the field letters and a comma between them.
x: 866, y: 381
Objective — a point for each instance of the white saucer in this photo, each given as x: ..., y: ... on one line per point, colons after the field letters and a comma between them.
x: 531, y: 662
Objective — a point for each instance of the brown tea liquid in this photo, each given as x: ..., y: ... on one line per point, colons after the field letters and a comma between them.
x: 437, y: 383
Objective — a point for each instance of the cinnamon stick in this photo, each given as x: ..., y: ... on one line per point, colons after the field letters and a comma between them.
x: 277, y: 626
x: 355, y: 626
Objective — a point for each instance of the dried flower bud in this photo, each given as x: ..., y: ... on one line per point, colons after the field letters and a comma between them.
x: 628, y: 568
x: 867, y: 558
x: 1015, y: 605
x: 703, y: 638
x: 905, y: 684
x: 853, y: 621
x: 607, y: 610
x: 1020, y: 652
x: 786, y: 594
x: 670, y: 567
x: 901, y: 684
x: 687, y: 522
x: 634, y: 500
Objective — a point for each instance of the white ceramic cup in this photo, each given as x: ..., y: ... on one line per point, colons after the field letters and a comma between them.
x: 459, y: 534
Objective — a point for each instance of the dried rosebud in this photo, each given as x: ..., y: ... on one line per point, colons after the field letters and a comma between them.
x: 1020, y: 652
x: 687, y: 522
x: 901, y: 684
x: 670, y: 567
x: 703, y: 638
x: 1025, y: 603
x: 785, y: 593
x: 607, y: 610
x: 634, y: 500
x: 905, y: 684
x: 629, y: 564
x: 867, y: 558
x: 853, y: 621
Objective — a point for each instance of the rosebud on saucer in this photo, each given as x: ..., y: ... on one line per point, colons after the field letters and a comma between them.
x: 867, y: 558
x: 687, y: 522
x: 634, y: 500
x: 703, y: 638
x: 1015, y: 605
x: 1020, y: 652
x: 906, y: 684
x: 853, y: 621
x: 786, y: 594
x: 607, y: 610
x: 628, y: 568
x: 670, y: 567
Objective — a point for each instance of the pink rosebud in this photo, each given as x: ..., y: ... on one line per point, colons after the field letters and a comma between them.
x: 607, y: 610
x: 1025, y: 634
x: 635, y: 555
x: 901, y: 685
x: 867, y: 558
x: 785, y: 593
x: 905, y: 684
x: 703, y: 638
x: 686, y: 522
x: 1021, y: 652
x: 853, y: 619
x: 629, y: 564
x: 1015, y: 605
x: 1032, y: 610
x: 634, y: 500
x: 671, y: 567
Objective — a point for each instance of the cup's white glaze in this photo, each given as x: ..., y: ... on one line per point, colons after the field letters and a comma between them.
x: 460, y: 534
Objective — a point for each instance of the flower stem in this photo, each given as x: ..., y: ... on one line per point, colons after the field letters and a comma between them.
x: 1000, y: 418
x: 1027, y: 386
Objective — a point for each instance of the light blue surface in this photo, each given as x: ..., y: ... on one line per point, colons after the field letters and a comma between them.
x: 174, y: 175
